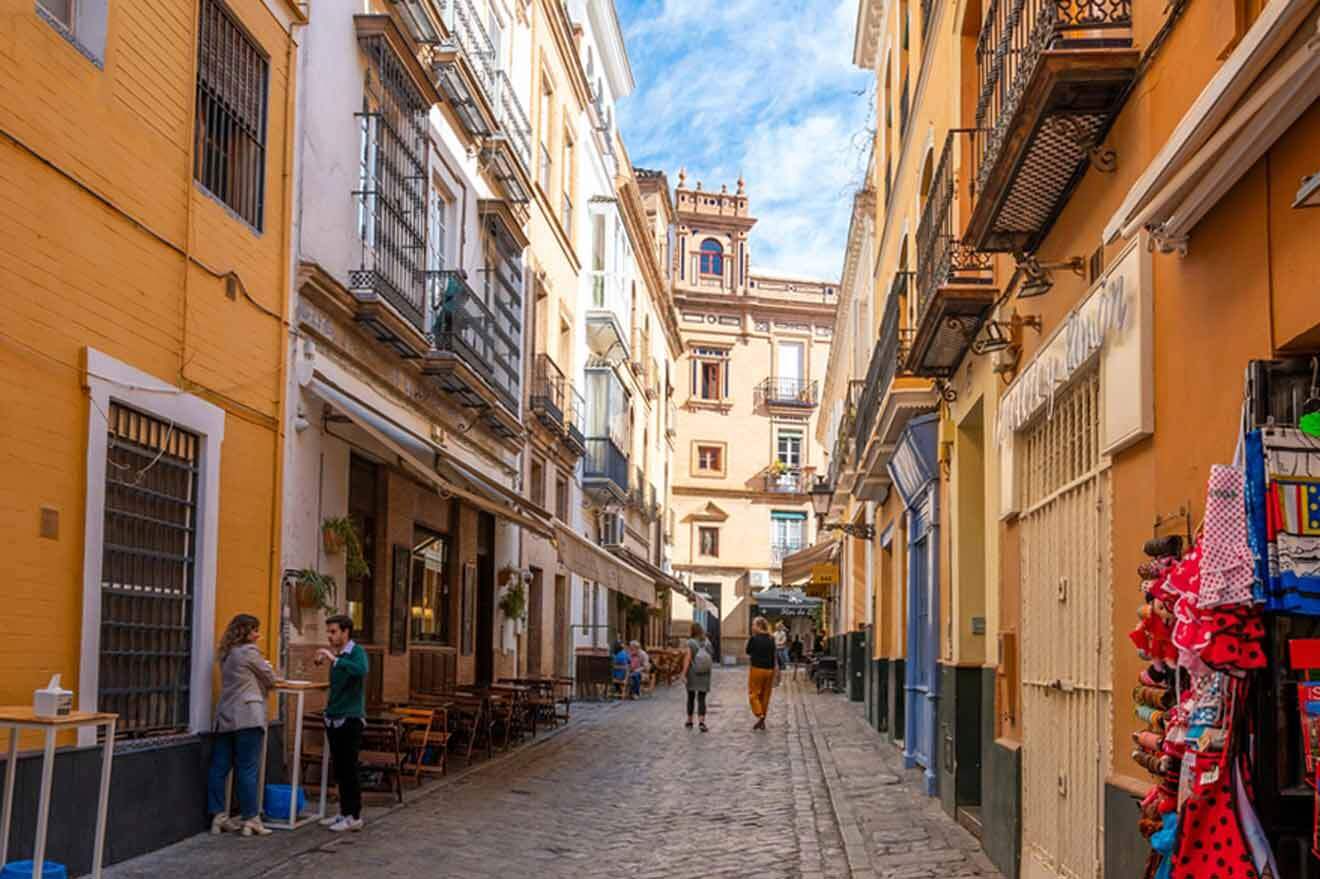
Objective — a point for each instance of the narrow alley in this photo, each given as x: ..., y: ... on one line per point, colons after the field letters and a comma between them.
x: 625, y: 790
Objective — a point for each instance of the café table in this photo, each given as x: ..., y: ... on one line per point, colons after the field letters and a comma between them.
x: 20, y: 717
x: 298, y: 690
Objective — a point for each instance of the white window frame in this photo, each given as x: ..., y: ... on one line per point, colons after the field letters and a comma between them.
x: 86, y: 28
x: 109, y: 380
x: 781, y: 437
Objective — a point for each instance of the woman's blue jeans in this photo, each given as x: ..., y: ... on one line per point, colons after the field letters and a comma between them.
x: 241, y: 751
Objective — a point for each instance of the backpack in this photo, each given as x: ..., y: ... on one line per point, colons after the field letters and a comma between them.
x: 702, y: 661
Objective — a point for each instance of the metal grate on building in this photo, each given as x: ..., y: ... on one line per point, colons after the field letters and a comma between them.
x: 147, y: 573
x: 1066, y: 645
x: 229, y: 154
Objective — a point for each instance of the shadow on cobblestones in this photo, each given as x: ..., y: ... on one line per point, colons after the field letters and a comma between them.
x: 626, y: 792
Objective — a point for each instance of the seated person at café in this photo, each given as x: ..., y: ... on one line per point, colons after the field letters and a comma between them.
x: 622, y: 665
x: 638, y: 663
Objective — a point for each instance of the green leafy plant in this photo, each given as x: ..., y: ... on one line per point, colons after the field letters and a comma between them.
x: 339, y: 534
x: 315, y: 590
x: 513, y: 604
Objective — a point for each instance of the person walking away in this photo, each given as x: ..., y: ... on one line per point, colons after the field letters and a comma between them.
x: 795, y: 649
x: 698, y: 662
x: 240, y: 726
x: 761, y: 677
x: 638, y: 663
x: 345, y: 717
x: 781, y: 647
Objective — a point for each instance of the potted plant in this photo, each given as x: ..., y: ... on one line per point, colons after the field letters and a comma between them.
x: 339, y: 535
x: 315, y: 591
x: 637, y: 613
x: 513, y: 603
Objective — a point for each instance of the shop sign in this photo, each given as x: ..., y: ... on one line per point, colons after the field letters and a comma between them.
x: 826, y: 575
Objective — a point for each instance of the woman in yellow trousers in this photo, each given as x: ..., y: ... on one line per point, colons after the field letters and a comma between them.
x: 761, y: 678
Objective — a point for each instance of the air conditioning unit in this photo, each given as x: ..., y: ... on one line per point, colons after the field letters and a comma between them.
x: 611, y: 529
x: 759, y: 579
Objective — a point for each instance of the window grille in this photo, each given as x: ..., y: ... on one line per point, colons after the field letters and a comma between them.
x: 229, y: 155
x: 1064, y: 447
x: 392, y: 182
x: 147, y: 573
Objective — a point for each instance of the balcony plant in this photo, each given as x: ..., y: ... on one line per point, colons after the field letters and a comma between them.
x: 339, y: 535
x: 314, y: 590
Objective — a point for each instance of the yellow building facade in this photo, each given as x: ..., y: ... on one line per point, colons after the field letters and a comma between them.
x: 747, y: 388
x: 1087, y: 256
x: 147, y: 317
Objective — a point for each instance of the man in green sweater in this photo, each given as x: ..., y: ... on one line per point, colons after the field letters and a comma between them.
x: 345, y: 716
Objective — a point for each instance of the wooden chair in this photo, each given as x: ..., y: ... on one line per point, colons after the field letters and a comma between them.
x: 382, y: 751
x: 469, y: 722
x: 425, y: 729
x: 313, y: 745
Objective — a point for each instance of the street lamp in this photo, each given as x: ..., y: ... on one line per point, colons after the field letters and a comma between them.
x: 822, y: 494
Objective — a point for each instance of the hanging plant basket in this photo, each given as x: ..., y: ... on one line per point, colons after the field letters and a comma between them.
x: 339, y: 535
x: 314, y: 590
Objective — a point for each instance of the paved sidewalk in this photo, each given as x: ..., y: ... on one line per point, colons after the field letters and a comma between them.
x: 626, y: 791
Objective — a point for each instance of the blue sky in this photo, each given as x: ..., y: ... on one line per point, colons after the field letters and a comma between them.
x: 763, y: 88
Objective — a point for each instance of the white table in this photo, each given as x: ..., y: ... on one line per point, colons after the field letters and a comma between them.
x: 299, y: 690
x: 20, y: 717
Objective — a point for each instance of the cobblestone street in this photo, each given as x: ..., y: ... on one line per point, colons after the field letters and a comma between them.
x: 625, y: 790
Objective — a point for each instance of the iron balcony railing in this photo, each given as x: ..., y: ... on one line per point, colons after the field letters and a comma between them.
x: 1008, y: 52
x: 464, y: 24
x: 780, y: 550
x: 577, y: 418
x: 790, y: 481
x: 942, y: 258
x: 513, y: 119
x: 605, y: 461
x: 469, y: 328
x: 788, y: 392
x: 548, y: 391
x: 885, y: 361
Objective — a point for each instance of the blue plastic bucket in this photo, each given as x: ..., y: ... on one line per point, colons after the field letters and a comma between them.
x: 23, y: 870
x: 276, y: 804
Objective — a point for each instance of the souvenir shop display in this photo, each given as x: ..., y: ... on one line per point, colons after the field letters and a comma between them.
x: 1304, y: 654
x: 1201, y: 631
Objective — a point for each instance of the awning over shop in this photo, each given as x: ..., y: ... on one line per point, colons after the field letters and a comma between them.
x: 425, y: 460
x: 584, y: 558
x: 662, y: 580
x: 786, y: 602
x: 1264, y: 86
x: 797, y: 567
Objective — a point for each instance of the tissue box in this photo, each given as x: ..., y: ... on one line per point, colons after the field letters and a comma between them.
x: 52, y: 700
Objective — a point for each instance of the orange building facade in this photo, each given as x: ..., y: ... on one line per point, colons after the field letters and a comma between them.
x: 147, y: 148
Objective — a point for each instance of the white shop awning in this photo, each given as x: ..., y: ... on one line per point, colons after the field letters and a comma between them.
x: 1265, y: 85
x: 425, y: 460
x: 586, y: 559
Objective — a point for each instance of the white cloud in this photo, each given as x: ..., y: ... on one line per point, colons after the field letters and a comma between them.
x: 765, y: 89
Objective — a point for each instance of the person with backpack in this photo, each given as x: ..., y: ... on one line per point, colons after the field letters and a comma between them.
x: 698, y: 662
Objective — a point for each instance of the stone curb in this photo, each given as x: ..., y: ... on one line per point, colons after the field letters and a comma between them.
x: 850, y: 829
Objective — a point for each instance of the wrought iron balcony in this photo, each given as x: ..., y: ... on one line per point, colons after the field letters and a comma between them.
x: 780, y: 550
x: 547, y: 397
x: 955, y: 282
x: 1051, y: 74
x: 606, y: 468
x: 788, y: 393
x: 508, y: 151
x: 463, y: 62
x: 890, y: 399
x: 476, y: 355
x: 791, y: 480
x: 576, y: 436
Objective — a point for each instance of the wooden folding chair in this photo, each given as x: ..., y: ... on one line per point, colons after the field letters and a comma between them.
x: 425, y: 730
x: 382, y: 752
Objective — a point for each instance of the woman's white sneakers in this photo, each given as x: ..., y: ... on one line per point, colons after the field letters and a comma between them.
x: 345, y: 824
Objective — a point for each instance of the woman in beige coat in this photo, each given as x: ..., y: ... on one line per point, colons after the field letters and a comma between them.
x: 240, y: 725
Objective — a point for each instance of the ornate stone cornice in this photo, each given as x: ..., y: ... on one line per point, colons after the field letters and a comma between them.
x: 866, y: 43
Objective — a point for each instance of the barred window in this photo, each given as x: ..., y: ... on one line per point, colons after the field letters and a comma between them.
x: 147, y: 572
x: 229, y: 156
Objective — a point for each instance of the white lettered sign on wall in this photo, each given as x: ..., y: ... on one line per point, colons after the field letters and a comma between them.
x: 1115, y: 322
